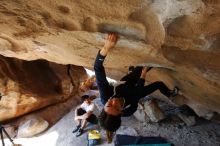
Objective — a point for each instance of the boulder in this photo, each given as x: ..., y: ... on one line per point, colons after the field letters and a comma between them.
x: 153, y: 111
x: 32, y: 126
x: 189, y: 120
x: 140, y: 114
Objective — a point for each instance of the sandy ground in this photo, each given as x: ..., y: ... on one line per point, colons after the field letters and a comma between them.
x: 205, y: 133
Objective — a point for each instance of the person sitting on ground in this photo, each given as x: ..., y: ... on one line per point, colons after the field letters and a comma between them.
x: 123, y: 99
x: 84, y: 114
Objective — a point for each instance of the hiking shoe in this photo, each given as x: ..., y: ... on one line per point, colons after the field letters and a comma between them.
x: 174, y: 92
x: 76, y: 129
x: 79, y: 132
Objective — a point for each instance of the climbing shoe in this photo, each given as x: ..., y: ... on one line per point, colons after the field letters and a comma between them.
x: 174, y: 92
x: 76, y: 129
x: 79, y: 132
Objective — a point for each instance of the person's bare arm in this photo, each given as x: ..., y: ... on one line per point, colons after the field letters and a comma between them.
x: 144, y: 72
x: 110, y: 42
x: 141, y: 81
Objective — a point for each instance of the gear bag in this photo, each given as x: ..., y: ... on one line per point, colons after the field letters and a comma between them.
x: 94, y: 138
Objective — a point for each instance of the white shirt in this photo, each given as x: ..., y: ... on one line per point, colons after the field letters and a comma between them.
x: 88, y: 107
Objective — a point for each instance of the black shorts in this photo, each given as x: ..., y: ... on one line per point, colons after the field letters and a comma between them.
x: 92, y: 118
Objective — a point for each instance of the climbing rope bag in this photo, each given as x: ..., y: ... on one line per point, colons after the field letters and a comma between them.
x: 94, y: 137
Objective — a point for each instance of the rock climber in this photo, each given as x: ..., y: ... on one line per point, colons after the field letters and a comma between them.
x: 123, y: 99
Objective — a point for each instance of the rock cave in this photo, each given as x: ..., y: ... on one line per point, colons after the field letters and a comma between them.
x: 47, y: 48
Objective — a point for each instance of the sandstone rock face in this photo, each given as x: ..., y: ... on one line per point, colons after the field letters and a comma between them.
x: 31, y: 85
x: 180, y: 34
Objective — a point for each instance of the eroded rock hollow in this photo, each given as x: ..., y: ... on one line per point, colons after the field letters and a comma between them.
x: 31, y: 85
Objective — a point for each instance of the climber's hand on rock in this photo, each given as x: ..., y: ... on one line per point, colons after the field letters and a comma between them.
x: 144, y: 72
x: 111, y: 40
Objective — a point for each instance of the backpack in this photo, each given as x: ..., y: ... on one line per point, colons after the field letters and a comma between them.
x: 94, y: 138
